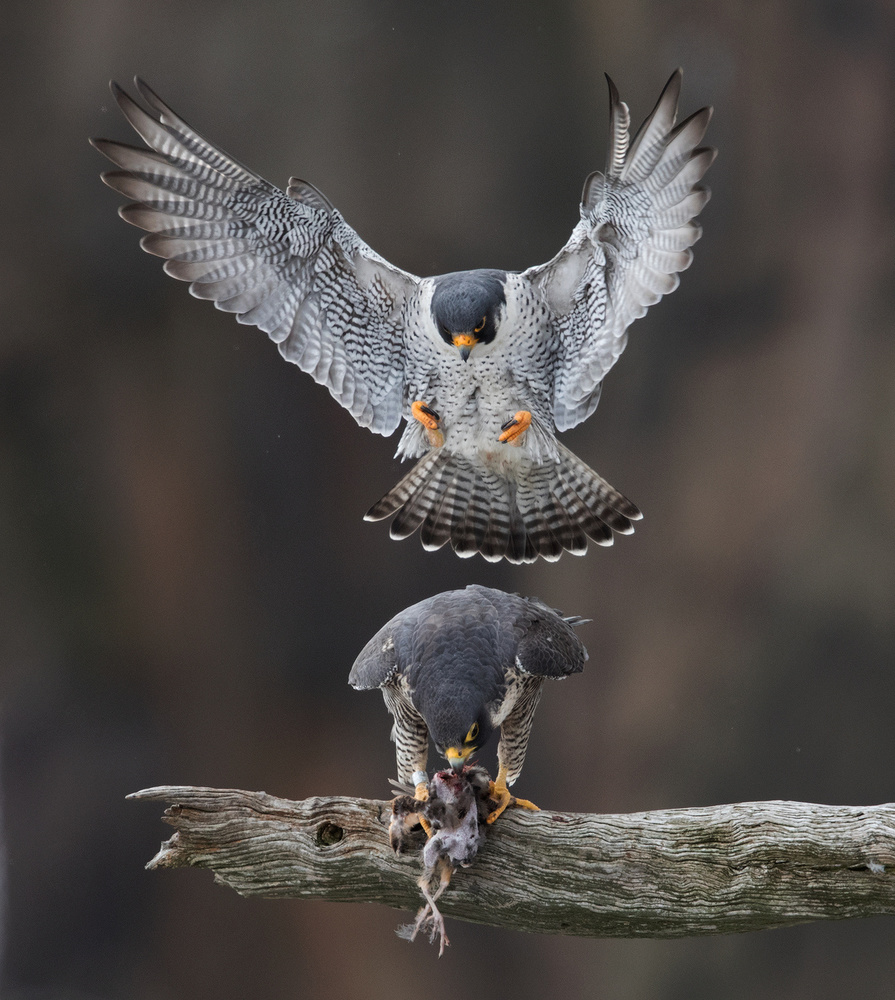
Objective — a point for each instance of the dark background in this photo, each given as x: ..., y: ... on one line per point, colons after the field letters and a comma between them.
x: 185, y: 577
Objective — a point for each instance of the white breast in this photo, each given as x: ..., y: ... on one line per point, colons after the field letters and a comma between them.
x: 475, y: 398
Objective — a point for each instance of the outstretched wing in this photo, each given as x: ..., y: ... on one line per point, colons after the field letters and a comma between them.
x: 286, y: 262
x: 637, y: 226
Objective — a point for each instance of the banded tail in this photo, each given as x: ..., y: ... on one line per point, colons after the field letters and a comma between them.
x: 541, y: 510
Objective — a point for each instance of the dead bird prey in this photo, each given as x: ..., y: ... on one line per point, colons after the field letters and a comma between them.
x: 455, y: 818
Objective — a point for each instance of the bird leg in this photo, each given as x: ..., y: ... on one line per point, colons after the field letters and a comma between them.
x: 515, y: 427
x: 430, y: 420
x: 422, y: 795
x: 501, y: 795
x: 444, y: 880
x: 429, y: 918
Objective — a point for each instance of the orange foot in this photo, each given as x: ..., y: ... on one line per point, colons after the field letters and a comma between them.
x: 515, y: 427
x: 430, y: 420
x: 421, y: 794
x: 501, y: 795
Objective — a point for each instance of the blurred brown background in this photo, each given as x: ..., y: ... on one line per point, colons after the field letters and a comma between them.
x: 186, y: 577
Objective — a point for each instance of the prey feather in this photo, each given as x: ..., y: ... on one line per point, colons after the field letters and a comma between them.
x: 456, y: 812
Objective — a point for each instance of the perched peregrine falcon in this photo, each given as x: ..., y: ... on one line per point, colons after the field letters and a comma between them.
x: 460, y: 665
x: 485, y: 366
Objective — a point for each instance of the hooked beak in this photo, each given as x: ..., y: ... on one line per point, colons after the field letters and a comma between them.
x: 465, y: 342
x: 457, y: 758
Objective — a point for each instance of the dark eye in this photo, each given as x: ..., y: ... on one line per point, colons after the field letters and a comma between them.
x: 479, y: 329
x: 473, y: 732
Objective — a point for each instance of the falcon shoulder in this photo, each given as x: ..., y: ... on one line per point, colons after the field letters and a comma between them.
x: 377, y: 663
x: 284, y: 261
x: 635, y: 233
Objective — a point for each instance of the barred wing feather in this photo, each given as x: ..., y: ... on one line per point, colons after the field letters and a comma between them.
x: 286, y: 262
x: 636, y: 230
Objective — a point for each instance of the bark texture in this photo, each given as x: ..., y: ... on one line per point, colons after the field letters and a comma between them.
x: 667, y: 873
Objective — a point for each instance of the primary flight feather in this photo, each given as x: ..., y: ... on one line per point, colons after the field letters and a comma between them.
x: 485, y: 366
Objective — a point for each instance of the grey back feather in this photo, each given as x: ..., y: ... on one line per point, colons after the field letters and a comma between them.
x: 518, y: 631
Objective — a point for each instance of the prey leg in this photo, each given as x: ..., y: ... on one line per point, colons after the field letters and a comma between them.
x: 429, y: 919
x: 515, y: 427
x: 430, y: 420
x: 501, y: 795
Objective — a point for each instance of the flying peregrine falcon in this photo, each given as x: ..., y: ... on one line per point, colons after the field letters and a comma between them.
x: 485, y: 366
x: 461, y: 664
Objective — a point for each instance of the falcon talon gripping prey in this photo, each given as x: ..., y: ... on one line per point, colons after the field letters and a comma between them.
x: 476, y: 345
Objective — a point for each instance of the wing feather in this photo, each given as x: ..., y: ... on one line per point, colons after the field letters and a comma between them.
x: 548, y: 646
x: 377, y: 662
x: 636, y: 230
x: 286, y: 262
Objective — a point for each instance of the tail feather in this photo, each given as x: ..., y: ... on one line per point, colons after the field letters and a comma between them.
x: 603, y: 500
x: 543, y: 541
x: 596, y: 530
x: 537, y: 510
x: 436, y: 529
x: 400, y: 494
x: 563, y: 510
x: 573, y: 537
x: 467, y: 536
x: 413, y: 513
x: 520, y: 548
x: 498, y: 537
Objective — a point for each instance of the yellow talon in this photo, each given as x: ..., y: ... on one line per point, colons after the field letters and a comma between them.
x: 525, y: 804
x: 499, y: 792
x: 421, y: 794
x: 430, y: 420
x: 515, y: 427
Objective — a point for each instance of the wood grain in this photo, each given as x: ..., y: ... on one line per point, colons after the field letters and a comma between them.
x: 667, y: 873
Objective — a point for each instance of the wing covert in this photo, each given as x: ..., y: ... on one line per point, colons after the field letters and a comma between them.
x: 549, y: 646
x: 377, y: 662
x: 286, y: 262
x: 635, y: 233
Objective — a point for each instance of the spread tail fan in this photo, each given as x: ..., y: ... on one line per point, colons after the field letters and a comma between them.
x: 541, y: 510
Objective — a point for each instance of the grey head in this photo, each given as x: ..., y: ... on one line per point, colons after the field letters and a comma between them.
x: 457, y: 718
x: 465, y: 305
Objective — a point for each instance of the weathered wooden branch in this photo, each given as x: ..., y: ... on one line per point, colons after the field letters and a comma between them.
x: 668, y: 873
